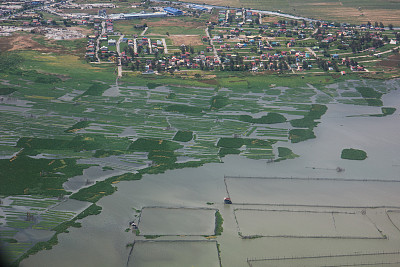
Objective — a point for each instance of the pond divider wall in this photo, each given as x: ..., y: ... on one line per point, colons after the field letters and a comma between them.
x: 249, y: 261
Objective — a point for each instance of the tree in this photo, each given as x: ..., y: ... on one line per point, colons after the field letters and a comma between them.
x: 390, y: 26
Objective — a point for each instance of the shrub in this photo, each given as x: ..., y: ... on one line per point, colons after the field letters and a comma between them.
x: 353, y: 154
x: 219, y: 101
x: 298, y: 135
x: 183, y: 136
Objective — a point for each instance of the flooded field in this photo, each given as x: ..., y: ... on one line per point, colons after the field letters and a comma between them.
x: 341, y: 214
x: 177, y: 221
x: 378, y: 259
x: 304, y: 224
x: 172, y: 253
x: 314, y: 192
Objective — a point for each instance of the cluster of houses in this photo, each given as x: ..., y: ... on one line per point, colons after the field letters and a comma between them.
x: 10, y: 7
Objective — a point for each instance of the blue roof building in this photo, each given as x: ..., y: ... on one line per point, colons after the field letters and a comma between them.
x: 173, y: 11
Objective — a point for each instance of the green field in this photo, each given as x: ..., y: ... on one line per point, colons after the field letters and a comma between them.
x: 357, y: 11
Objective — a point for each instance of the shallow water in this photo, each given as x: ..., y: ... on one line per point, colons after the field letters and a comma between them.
x: 176, y: 221
x: 103, y: 238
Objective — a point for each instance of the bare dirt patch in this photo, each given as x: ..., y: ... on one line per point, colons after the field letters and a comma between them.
x: 23, y: 42
x: 28, y: 42
x: 210, y: 82
x: 192, y: 40
x: 393, y: 61
x: 84, y: 31
x: 173, y: 22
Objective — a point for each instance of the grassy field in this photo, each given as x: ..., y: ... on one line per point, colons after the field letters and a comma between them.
x: 351, y: 11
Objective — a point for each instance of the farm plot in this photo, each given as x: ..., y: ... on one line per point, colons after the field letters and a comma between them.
x: 313, y: 192
x: 359, y: 259
x: 177, y: 221
x: 305, y: 224
x: 175, y: 253
x: 52, y: 218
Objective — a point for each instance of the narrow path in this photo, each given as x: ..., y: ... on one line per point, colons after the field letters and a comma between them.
x: 103, y: 31
x: 144, y: 31
x: 150, y: 47
x: 135, y: 46
x: 312, y: 52
x: 165, y: 46
x: 119, y: 66
x: 212, y: 44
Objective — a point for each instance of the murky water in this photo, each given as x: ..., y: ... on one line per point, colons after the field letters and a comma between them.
x: 177, y: 221
x: 102, y: 239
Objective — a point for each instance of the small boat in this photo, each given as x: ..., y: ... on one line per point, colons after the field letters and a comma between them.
x: 227, y: 200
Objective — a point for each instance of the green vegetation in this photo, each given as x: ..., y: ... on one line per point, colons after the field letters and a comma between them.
x: 270, y: 118
x: 101, y: 153
x: 286, y: 153
x: 298, y: 135
x: 44, y: 78
x: 219, y: 101
x: 314, y: 113
x: 96, y: 89
x: 353, y: 154
x: 96, y: 191
x: 7, y: 90
x: 218, y: 223
x: 25, y: 175
x: 183, y: 136
x: 223, y: 151
x: 78, y: 126
x: 227, y: 142
x: 388, y: 111
x: 152, y: 85
x: 372, y: 97
x: 368, y: 92
x: 165, y: 157
x: 149, y: 144
x: 9, y: 61
x: 78, y: 143
x: 185, y: 109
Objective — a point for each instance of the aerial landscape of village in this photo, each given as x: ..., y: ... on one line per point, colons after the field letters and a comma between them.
x: 233, y: 133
